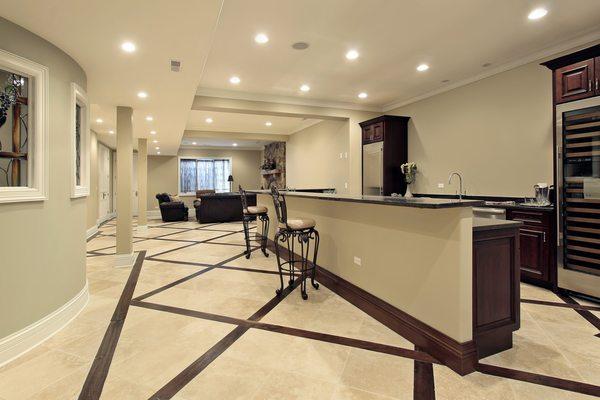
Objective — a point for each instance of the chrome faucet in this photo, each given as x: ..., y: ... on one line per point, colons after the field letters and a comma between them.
x: 460, y: 187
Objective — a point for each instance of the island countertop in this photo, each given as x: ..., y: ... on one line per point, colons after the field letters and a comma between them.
x: 417, y: 202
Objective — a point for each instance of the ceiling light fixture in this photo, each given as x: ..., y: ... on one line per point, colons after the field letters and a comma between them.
x: 155, y: 141
x: 352, y: 55
x: 209, y: 120
x: 142, y: 95
x: 235, y: 145
x: 99, y: 120
x: 111, y: 132
x: 268, y: 123
x: 422, y: 67
x: 149, y: 118
x: 235, y: 80
x: 537, y: 13
x: 153, y: 132
x: 194, y: 143
x: 128, y: 47
x: 305, y: 88
x: 363, y: 95
x: 261, y: 38
x: 158, y: 152
x: 157, y: 148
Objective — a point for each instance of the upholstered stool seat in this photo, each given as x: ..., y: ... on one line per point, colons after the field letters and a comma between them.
x: 258, y: 213
x: 298, y: 224
x: 255, y: 210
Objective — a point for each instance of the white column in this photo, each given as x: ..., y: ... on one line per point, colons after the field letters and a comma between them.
x: 124, y: 255
x: 142, y: 171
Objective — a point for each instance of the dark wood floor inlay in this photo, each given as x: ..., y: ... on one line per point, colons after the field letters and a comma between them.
x: 575, y: 306
x: 588, y: 315
x: 94, y: 382
x: 524, y: 376
x: 424, y: 385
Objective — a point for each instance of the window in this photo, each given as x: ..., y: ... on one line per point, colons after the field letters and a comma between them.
x: 23, y: 129
x: 204, y: 174
x: 80, y: 138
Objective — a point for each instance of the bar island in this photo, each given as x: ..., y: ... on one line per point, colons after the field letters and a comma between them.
x: 422, y: 266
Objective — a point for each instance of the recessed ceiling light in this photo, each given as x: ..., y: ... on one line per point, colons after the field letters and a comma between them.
x: 305, y: 88
x: 235, y: 144
x: 422, y: 67
x: 128, y: 47
x: 363, y: 95
x: 352, y: 55
x: 157, y: 148
x: 149, y: 118
x: 155, y: 141
x: 194, y: 143
x: 268, y: 123
x: 142, y: 95
x: 99, y: 120
x: 537, y: 13
x: 158, y: 152
x: 111, y: 132
x: 235, y: 80
x: 300, y: 46
x: 153, y: 132
x: 209, y: 120
x: 261, y: 38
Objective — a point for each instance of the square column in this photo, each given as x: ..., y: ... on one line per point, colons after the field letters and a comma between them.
x: 124, y: 257
x: 142, y: 178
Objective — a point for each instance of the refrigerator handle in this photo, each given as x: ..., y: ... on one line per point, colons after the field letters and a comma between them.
x: 381, y: 171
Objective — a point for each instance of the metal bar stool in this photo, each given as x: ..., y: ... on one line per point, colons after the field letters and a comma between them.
x: 250, y: 213
x: 290, y: 231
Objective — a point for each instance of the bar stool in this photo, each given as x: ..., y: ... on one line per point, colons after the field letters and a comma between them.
x: 250, y: 213
x: 290, y: 231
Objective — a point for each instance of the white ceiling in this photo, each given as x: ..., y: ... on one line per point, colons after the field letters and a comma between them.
x: 224, y: 143
x: 249, y: 123
x: 454, y: 37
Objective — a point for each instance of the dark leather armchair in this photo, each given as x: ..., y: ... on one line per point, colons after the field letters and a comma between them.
x: 171, y: 210
x: 221, y: 207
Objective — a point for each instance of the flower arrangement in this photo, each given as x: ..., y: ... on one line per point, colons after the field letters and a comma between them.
x: 409, y: 170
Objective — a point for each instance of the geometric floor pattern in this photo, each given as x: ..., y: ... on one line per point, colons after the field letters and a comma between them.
x: 195, y: 319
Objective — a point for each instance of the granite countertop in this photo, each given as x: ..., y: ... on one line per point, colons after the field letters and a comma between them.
x: 488, y: 224
x: 417, y: 202
x: 519, y: 206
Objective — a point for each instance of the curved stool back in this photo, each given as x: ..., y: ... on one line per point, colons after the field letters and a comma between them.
x: 249, y: 214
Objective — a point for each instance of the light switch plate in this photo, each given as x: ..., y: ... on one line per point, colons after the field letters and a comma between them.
x: 357, y: 261
x: 440, y: 185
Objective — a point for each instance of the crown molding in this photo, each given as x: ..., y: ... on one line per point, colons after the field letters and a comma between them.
x: 585, y: 40
x: 269, y: 98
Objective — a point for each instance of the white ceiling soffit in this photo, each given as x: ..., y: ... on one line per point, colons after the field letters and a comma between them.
x: 249, y: 123
x: 92, y: 32
x: 223, y: 143
x: 456, y: 38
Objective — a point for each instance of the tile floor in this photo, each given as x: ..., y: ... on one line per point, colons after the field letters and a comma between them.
x: 187, y: 326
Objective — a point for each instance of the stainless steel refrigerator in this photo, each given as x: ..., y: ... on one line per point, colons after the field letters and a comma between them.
x: 578, y: 192
x: 373, y: 169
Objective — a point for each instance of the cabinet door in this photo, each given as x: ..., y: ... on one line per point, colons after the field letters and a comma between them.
x: 534, y: 253
x: 597, y: 75
x: 378, y: 131
x: 368, y: 134
x: 575, y: 81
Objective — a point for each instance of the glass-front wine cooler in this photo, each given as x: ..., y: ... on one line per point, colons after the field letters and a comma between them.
x: 579, y: 212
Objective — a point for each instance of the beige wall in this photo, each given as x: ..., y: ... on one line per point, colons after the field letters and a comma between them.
x: 497, y: 132
x: 418, y: 260
x: 92, y: 200
x: 42, y: 243
x: 313, y: 157
x: 163, y: 171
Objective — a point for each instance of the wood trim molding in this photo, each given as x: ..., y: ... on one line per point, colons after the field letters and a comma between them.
x: 91, y: 231
x: 460, y: 357
x: 20, y: 342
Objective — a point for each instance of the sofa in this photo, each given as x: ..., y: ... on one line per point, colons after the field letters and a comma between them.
x: 221, y: 207
x: 171, y: 209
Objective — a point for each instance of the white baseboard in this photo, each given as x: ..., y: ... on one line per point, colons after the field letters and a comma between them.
x: 153, y: 214
x: 106, y: 217
x: 125, y: 260
x: 91, y: 231
x: 15, y: 344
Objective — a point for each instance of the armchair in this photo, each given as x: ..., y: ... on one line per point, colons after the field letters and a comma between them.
x: 171, y: 210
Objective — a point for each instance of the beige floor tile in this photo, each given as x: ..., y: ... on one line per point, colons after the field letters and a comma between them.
x: 204, y: 253
x: 67, y: 387
x: 343, y: 392
x: 25, y: 379
x: 292, y: 386
x: 476, y: 386
x: 197, y: 235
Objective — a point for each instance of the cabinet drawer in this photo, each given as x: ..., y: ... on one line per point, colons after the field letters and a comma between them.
x: 533, y: 218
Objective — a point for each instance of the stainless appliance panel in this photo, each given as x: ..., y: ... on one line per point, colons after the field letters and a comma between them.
x: 373, y: 169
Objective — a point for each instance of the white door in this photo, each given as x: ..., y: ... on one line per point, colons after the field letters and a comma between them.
x: 134, y: 185
x: 104, y: 197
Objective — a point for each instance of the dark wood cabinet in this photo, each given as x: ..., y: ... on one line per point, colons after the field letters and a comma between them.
x: 392, y: 130
x: 575, y: 81
x: 577, y: 75
x: 537, y: 246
